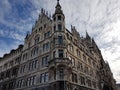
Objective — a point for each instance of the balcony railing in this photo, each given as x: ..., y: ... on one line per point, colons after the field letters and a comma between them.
x: 60, y: 61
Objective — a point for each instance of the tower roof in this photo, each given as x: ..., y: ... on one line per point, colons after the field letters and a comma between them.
x: 58, y: 4
x: 58, y: 8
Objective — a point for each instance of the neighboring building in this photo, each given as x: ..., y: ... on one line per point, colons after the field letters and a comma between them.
x: 106, y: 76
x: 118, y: 86
x: 53, y: 58
x: 9, y: 66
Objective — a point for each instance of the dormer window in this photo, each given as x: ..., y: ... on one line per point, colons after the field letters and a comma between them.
x: 59, y: 17
x: 59, y: 27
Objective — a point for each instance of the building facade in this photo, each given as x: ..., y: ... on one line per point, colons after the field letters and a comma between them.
x: 9, y: 66
x: 54, y: 58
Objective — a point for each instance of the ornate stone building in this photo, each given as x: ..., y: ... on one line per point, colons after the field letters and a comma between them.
x: 9, y: 66
x: 53, y: 58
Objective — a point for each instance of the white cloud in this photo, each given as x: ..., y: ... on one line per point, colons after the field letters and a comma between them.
x: 6, y: 48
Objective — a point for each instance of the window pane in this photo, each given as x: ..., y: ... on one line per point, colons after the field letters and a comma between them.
x: 54, y: 28
x: 59, y: 27
x: 54, y: 54
x: 59, y: 17
x: 60, y: 53
x: 46, y: 76
x: 60, y: 40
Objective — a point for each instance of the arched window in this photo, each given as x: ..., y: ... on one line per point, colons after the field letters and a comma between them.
x: 59, y: 17
x: 61, y: 73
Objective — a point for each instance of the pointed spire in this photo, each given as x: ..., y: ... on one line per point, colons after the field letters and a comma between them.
x: 58, y: 8
x: 58, y: 4
x: 27, y: 34
x: 87, y: 36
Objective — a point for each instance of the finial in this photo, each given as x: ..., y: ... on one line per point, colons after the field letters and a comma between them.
x: 41, y: 10
x: 47, y: 13
x: 58, y: 1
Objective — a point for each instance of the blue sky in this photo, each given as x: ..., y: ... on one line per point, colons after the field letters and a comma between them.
x: 100, y: 18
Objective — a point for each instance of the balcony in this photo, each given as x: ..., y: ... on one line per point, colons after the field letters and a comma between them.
x: 56, y: 62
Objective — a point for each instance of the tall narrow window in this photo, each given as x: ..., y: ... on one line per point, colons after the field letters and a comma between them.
x: 54, y: 19
x: 61, y: 72
x: 54, y: 28
x: 42, y: 78
x: 54, y: 54
x: 59, y: 27
x: 60, y: 53
x: 82, y: 80
x: 48, y: 46
x: 46, y: 77
x: 75, y: 76
x: 37, y: 40
x: 54, y: 74
x: 73, y: 62
x: 35, y: 64
x: 60, y: 40
x: 47, y: 34
x: 59, y: 17
x: 84, y: 57
x: 30, y: 65
x: 44, y: 25
x: 43, y: 47
x: 45, y: 61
